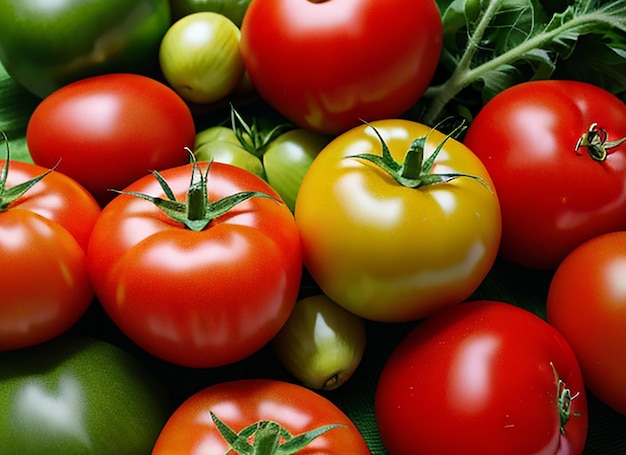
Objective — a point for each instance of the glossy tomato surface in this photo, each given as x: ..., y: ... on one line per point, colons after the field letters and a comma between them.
x: 241, y: 403
x: 587, y: 304
x: 76, y: 395
x: 482, y: 378
x: 108, y: 131
x: 390, y: 252
x: 553, y: 196
x: 43, y: 242
x: 328, y: 65
x: 45, y: 45
x: 197, y: 298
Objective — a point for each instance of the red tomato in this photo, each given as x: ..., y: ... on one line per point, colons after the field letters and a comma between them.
x: 587, y: 304
x: 553, y: 196
x: 197, y: 298
x: 108, y: 131
x: 328, y: 65
x: 43, y: 241
x: 482, y: 378
x: 241, y: 403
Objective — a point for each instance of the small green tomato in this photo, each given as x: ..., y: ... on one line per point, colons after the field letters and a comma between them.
x: 288, y: 157
x: 219, y: 143
x: 321, y: 343
x: 199, y: 57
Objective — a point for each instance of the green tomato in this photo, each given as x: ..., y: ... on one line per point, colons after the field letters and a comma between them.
x: 219, y: 143
x: 47, y: 44
x: 288, y: 157
x: 321, y: 343
x: 232, y: 9
x: 199, y: 57
x: 76, y: 395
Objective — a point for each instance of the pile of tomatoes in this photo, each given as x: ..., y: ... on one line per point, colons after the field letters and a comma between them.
x: 213, y: 241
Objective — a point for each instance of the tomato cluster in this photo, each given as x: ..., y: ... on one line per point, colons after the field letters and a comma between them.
x: 222, y: 212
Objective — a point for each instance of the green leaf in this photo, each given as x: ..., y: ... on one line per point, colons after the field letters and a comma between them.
x: 491, y: 45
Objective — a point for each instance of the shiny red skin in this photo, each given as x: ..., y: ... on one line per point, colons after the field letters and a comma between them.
x: 552, y: 197
x: 43, y: 241
x: 240, y: 403
x: 198, y: 299
x: 329, y: 65
x: 108, y: 131
x: 587, y: 304
x: 479, y: 379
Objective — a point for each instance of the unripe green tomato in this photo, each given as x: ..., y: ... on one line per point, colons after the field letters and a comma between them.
x: 321, y: 344
x: 75, y: 396
x: 216, y: 134
x: 219, y: 143
x: 199, y: 57
x: 288, y: 157
x: 45, y: 45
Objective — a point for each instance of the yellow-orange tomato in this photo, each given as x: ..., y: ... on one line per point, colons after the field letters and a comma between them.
x: 392, y: 250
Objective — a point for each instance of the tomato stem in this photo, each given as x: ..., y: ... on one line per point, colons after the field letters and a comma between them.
x: 9, y: 195
x: 414, y: 171
x: 270, y: 438
x: 197, y: 212
x: 251, y: 137
x: 564, y: 400
x: 595, y: 140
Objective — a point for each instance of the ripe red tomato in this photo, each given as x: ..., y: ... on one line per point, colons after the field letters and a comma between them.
x: 108, y: 131
x: 328, y: 65
x: 587, y: 304
x: 43, y: 241
x: 197, y: 298
x: 482, y: 378
x: 553, y: 196
x: 241, y: 403
x: 392, y: 251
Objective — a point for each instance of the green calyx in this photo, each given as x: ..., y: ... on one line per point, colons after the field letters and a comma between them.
x: 415, y: 171
x: 252, y: 138
x: 10, y: 195
x: 196, y: 212
x: 269, y: 438
x: 595, y: 139
x: 564, y: 400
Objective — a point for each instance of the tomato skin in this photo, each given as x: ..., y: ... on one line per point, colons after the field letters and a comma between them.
x: 240, y: 403
x: 199, y: 57
x: 222, y: 292
x: 43, y: 241
x: 328, y: 65
x: 108, y: 131
x: 478, y: 378
x: 586, y: 303
x: 552, y: 197
x: 76, y: 395
x: 388, y: 252
x: 44, y: 48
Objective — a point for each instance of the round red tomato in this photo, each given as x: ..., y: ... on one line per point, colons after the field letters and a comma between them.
x: 327, y: 65
x: 587, y: 304
x: 482, y: 378
x: 43, y: 241
x: 108, y: 131
x: 397, y: 248
x: 197, y: 297
x: 242, y: 403
x: 548, y: 148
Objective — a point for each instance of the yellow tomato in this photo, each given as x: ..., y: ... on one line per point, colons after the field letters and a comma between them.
x: 400, y: 249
